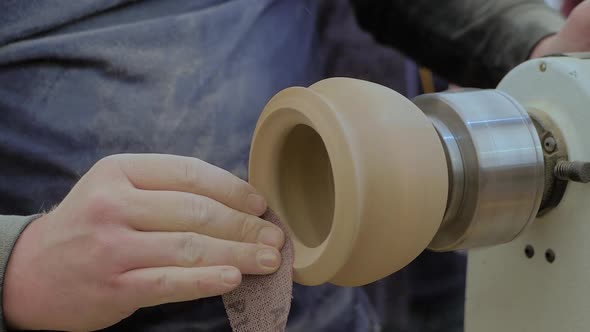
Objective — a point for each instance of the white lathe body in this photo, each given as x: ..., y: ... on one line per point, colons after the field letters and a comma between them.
x: 541, y: 280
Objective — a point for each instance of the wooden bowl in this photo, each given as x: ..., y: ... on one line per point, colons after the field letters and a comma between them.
x: 357, y: 172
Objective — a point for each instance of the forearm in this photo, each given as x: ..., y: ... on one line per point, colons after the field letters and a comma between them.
x: 470, y: 42
x: 10, y: 229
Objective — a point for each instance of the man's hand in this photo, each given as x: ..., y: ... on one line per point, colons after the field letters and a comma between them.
x: 137, y: 231
x: 573, y: 37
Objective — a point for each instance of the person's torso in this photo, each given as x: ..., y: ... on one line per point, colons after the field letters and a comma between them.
x: 80, y: 80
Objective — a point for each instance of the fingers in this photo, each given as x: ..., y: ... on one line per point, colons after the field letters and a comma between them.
x: 156, y: 249
x: 166, y: 211
x: 160, y: 285
x: 191, y: 175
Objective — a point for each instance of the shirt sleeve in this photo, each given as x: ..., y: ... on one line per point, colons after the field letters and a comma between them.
x: 10, y: 229
x: 469, y: 42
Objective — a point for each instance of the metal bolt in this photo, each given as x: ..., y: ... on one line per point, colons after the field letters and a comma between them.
x: 543, y: 67
x: 549, y: 144
x: 576, y: 171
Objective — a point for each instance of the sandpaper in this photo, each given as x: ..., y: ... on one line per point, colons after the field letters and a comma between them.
x: 262, y: 302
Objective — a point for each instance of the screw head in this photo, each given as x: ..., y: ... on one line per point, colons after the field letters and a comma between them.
x: 549, y: 144
x: 543, y: 67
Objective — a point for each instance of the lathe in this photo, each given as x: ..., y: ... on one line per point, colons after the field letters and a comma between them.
x: 367, y: 179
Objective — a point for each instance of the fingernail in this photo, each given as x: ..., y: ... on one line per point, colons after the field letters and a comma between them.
x: 256, y: 203
x: 231, y: 276
x: 271, y: 236
x: 268, y: 258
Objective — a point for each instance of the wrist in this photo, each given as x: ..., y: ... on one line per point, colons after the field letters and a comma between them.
x: 17, y: 278
x: 543, y: 47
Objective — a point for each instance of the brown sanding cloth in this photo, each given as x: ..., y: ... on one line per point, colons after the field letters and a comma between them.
x: 262, y: 302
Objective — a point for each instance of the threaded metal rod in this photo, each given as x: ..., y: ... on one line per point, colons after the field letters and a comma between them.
x: 576, y: 171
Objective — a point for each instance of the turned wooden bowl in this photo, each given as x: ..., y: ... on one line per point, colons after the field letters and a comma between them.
x: 358, y: 174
